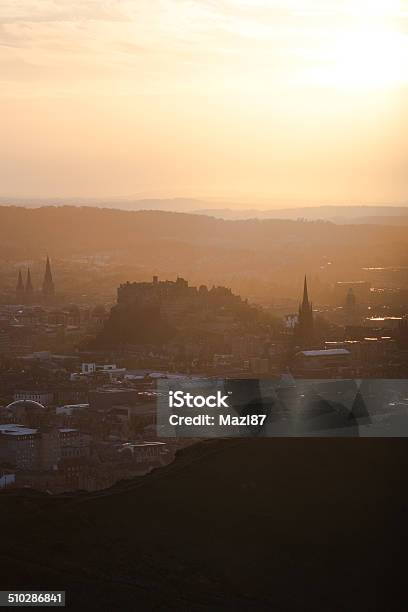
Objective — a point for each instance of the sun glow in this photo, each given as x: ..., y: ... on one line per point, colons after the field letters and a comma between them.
x: 363, y: 47
x: 283, y: 98
x: 363, y: 59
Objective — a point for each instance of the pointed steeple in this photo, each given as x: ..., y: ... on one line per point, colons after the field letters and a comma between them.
x: 305, y: 302
x: 305, y: 328
x: 48, y: 284
x: 29, y: 289
x: 20, y: 288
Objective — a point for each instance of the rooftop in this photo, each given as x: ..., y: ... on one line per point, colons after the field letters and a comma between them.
x: 12, y: 429
x: 384, y: 319
x: 324, y: 353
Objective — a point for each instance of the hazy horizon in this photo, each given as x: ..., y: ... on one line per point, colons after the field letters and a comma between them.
x: 272, y: 103
x: 194, y: 204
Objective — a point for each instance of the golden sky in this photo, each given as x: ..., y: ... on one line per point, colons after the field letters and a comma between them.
x: 267, y: 101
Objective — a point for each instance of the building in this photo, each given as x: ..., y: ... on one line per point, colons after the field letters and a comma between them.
x: 19, y: 446
x: 104, y: 398
x: 259, y: 365
x: 291, y: 320
x: 391, y: 323
x: 42, y: 396
x: 368, y: 353
x: 130, y: 420
x: 71, y: 409
x: 110, y: 369
x: 26, y: 411
x: 329, y: 362
x: 7, y: 478
x: 58, y: 445
x: 149, y: 453
x: 25, y: 448
x: 4, y: 340
x: 245, y: 346
x: 71, y: 394
x: 361, y: 290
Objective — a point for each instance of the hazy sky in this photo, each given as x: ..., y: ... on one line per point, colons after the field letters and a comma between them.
x: 273, y: 101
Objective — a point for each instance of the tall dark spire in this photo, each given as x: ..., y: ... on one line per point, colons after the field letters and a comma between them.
x: 305, y: 327
x: 29, y: 290
x: 305, y: 302
x: 48, y: 288
x: 20, y: 289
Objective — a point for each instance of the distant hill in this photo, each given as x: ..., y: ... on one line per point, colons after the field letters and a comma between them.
x: 201, y: 248
x: 74, y: 229
x: 168, y: 204
x: 234, y: 211
x: 383, y: 215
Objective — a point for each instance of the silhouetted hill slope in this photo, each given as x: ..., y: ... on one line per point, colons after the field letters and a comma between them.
x: 251, y: 524
x: 67, y: 230
x: 347, y: 213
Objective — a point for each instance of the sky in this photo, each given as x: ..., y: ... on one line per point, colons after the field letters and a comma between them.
x: 270, y: 102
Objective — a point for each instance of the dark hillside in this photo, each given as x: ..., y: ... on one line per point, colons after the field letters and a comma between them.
x: 253, y: 524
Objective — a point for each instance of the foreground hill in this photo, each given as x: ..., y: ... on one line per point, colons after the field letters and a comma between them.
x: 251, y: 524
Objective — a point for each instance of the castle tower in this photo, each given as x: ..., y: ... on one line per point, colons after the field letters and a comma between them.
x: 305, y: 327
x: 29, y: 290
x: 20, y: 294
x: 48, y: 289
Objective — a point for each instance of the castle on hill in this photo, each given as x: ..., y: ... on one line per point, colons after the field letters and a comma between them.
x: 176, y: 298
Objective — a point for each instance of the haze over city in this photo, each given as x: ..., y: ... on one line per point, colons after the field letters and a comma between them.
x: 268, y: 102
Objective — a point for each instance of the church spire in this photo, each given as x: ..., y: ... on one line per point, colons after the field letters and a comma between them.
x: 29, y: 290
x: 20, y: 289
x: 48, y: 288
x: 305, y: 302
x: 305, y: 327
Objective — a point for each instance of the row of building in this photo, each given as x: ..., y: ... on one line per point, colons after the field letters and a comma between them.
x: 27, y: 448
